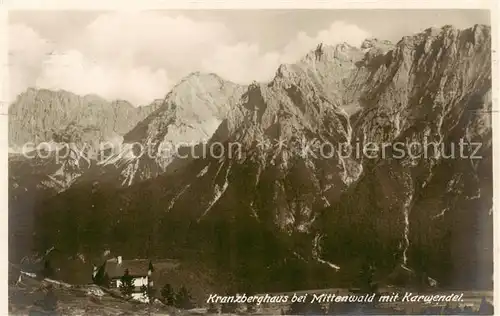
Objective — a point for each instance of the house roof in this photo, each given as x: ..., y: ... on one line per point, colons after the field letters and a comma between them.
x: 136, y: 267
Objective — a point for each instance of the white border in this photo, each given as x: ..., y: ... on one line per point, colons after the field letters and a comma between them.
x: 4, y: 88
x: 243, y: 4
x: 496, y: 151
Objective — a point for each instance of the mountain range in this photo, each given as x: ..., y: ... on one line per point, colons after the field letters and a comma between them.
x: 285, y: 212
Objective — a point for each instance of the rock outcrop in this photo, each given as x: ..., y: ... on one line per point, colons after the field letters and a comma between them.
x: 189, y: 115
x: 37, y: 114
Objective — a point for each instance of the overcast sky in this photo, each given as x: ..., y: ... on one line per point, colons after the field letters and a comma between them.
x: 140, y: 56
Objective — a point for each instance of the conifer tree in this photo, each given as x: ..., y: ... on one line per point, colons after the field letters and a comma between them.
x: 296, y: 308
x: 183, y: 299
x: 229, y: 307
x: 144, y: 291
x: 50, y: 300
x: 212, y: 309
x: 168, y: 295
x: 48, y: 271
x: 127, y: 284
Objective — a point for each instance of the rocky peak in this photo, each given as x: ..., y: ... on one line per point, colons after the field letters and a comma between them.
x: 422, y: 92
x: 328, y: 73
x: 73, y: 126
x: 375, y: 50
x: 275, y: 124
x: 201, y: 95
x: 36, y: 113
x: 189, y: 114
x: 376, y: 43
x: 198, y: 102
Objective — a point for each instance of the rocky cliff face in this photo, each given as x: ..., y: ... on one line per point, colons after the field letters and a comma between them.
x: 288, y: 207
x: 189, y: 115
x: 56, y: 138
x: 116, y: 142
x: 38, y: 114
x: 57, y: 134
x: 435, y: 89
x: 67, y: 129
x: 88, y: 140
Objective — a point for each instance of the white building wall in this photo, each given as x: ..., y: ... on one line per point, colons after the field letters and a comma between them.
x: 138, y: 282
x: 140, y: 297
x: 141, y: 281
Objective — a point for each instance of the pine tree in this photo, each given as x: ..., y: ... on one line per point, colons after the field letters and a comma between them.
x: 230, y: 307
x: 144, y: 291
x: 183, y: 299
x: 366, y: 276
x: 50, y: 300
x: 105, y: 281
x: 127, y: 284
x: 251, y: 307
x: 212, y: 309
x: 168, y: 295
x: 48, y: 271
x: 151, y: 292
x: 296, y: 308
x: 314, y: 308
x: 101, y: 278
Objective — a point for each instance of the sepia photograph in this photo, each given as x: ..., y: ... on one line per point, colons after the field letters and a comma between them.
x: 250, y: 162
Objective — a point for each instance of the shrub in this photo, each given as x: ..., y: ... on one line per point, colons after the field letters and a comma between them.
x: 127, y: 284
x: 168, y: 295
x: 183, y: 299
